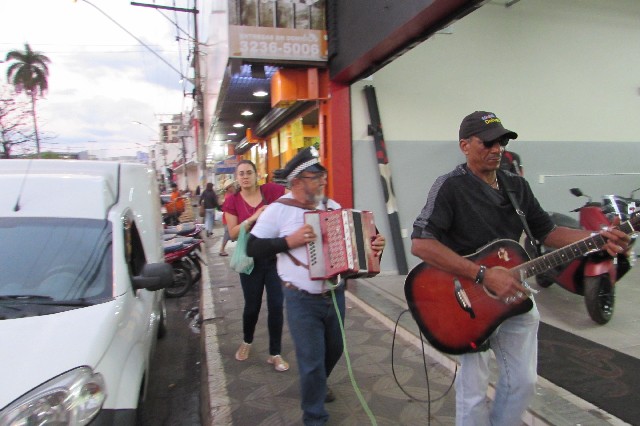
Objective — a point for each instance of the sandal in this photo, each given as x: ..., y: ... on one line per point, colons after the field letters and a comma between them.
x: 223, y: 253
x: 243, y: 351
x: 278, y: 363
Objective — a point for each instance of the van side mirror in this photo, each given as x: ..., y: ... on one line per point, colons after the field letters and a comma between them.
x: 154, y: 276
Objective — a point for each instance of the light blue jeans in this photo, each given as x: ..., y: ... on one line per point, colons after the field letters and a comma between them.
x: 314, y: 327
x: 515, y: 345
x: 209, y: 219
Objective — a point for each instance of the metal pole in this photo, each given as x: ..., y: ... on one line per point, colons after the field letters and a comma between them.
x: 184, y: 163
x: 199, y: 101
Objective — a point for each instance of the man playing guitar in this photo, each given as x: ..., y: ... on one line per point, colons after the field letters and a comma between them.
x: 466, y: 209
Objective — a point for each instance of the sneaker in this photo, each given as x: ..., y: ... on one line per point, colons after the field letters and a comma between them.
x: 330, y: 396
x: 243, y: 351
x: 278, y: 363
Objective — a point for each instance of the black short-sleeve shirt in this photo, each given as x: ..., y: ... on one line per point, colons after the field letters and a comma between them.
x: 465, y: 214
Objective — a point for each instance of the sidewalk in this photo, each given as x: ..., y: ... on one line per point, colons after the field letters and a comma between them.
x: 253, y: 393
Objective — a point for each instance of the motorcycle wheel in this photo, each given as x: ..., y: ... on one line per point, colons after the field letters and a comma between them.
x: 196, y: 269
x: 181, y: 282
x: 162, y: 324
x: 599, y: 296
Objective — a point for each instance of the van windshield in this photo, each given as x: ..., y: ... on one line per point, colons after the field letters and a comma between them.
x: 54, y: 262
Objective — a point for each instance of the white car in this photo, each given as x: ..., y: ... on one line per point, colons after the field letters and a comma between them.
x: 81, y: 300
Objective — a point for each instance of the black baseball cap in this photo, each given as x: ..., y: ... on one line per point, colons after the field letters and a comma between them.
x: 484, y: 125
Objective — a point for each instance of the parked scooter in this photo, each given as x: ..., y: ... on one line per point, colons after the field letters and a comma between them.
x: 182, y: 253
x: 185, y: 229
x: 594, y: 275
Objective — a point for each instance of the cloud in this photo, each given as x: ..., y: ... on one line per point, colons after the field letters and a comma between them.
x: 101, y: 78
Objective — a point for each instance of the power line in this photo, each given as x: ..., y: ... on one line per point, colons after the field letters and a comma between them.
x: 136, y: 38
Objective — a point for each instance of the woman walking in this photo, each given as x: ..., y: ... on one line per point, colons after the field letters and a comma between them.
x: 243, y: 209
x: 209, y: 199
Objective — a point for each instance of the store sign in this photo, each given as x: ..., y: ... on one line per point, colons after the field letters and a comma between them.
x: 277, y: 43
x: 297, y: 134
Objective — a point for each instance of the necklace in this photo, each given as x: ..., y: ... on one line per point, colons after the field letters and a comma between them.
x: 495, y: 184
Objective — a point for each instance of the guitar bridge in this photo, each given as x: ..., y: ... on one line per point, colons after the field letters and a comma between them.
x: 462, y: 298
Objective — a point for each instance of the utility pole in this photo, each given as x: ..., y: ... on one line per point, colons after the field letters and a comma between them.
x: 201, y: 151
x: 199, y: 101
x: 182, y: 134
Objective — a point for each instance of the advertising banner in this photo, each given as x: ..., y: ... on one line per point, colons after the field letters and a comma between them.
x: 289, y: 44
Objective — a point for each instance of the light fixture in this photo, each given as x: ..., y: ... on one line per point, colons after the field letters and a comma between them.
x: 260, y: 93
x: 246, y: 112
x: 238, y: 125
x: 232, y: 134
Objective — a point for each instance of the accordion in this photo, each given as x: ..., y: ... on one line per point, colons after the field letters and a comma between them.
x: 342, y: 245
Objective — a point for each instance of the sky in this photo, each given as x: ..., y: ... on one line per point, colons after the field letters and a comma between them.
x: 100, y: 77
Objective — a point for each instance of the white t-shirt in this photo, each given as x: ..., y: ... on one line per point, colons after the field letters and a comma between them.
x: 280, y: 220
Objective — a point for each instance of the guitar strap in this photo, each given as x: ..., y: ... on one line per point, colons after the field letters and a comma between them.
x: 535, y: 244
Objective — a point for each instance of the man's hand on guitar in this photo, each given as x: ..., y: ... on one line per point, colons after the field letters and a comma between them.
x: 617, y: 242
x: 504, y: 286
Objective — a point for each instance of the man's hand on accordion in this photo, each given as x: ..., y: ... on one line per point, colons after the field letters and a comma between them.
x: 377, y: 244
x: 302, y: 236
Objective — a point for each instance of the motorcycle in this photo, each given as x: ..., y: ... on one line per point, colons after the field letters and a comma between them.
x: 183, y: 254
x: 594, y: 275
x: 185, y: 229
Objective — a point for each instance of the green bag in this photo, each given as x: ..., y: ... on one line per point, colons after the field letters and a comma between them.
x: 239, y: 261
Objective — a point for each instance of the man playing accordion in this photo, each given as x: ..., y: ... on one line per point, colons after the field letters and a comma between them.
x: 312, y: 314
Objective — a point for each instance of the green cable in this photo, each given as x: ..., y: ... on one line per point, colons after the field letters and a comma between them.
x: 346, y: 356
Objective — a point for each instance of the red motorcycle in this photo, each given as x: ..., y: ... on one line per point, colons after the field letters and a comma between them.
x: 183, y: 254
x: 594, y: 275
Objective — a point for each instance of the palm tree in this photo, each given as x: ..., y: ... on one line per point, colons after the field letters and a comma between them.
x: 29, y: 72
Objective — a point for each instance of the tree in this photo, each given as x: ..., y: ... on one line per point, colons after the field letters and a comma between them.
x: 14, y: 128
x: 29, y: 72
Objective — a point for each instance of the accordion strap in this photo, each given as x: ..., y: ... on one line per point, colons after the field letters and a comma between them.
x: 296, y: 261
x: 295, y: 203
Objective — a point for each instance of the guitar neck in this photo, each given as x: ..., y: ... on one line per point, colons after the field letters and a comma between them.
x: 566, y: 254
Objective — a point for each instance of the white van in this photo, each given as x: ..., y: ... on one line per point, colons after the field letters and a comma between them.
x: 81, y: 263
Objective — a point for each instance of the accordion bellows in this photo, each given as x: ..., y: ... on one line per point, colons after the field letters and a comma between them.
x: 342, y: 245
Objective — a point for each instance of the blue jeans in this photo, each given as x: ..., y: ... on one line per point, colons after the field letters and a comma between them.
x: 264, y: 275
x: 515, y: 345
x: 314, y: 327
x: 209, y: 219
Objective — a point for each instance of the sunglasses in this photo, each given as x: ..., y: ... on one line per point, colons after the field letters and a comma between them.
x: 502, y: 141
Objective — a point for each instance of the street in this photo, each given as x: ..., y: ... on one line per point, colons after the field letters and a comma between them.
x: 173, y: 396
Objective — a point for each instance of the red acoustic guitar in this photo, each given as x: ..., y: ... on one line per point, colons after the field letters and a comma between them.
x: 457, y: 316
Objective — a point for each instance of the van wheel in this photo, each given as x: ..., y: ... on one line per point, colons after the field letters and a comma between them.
x: 599, y: 296
x: 182, y: 281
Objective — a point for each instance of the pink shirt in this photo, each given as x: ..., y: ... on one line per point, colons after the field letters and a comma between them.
x: 237, y: 206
